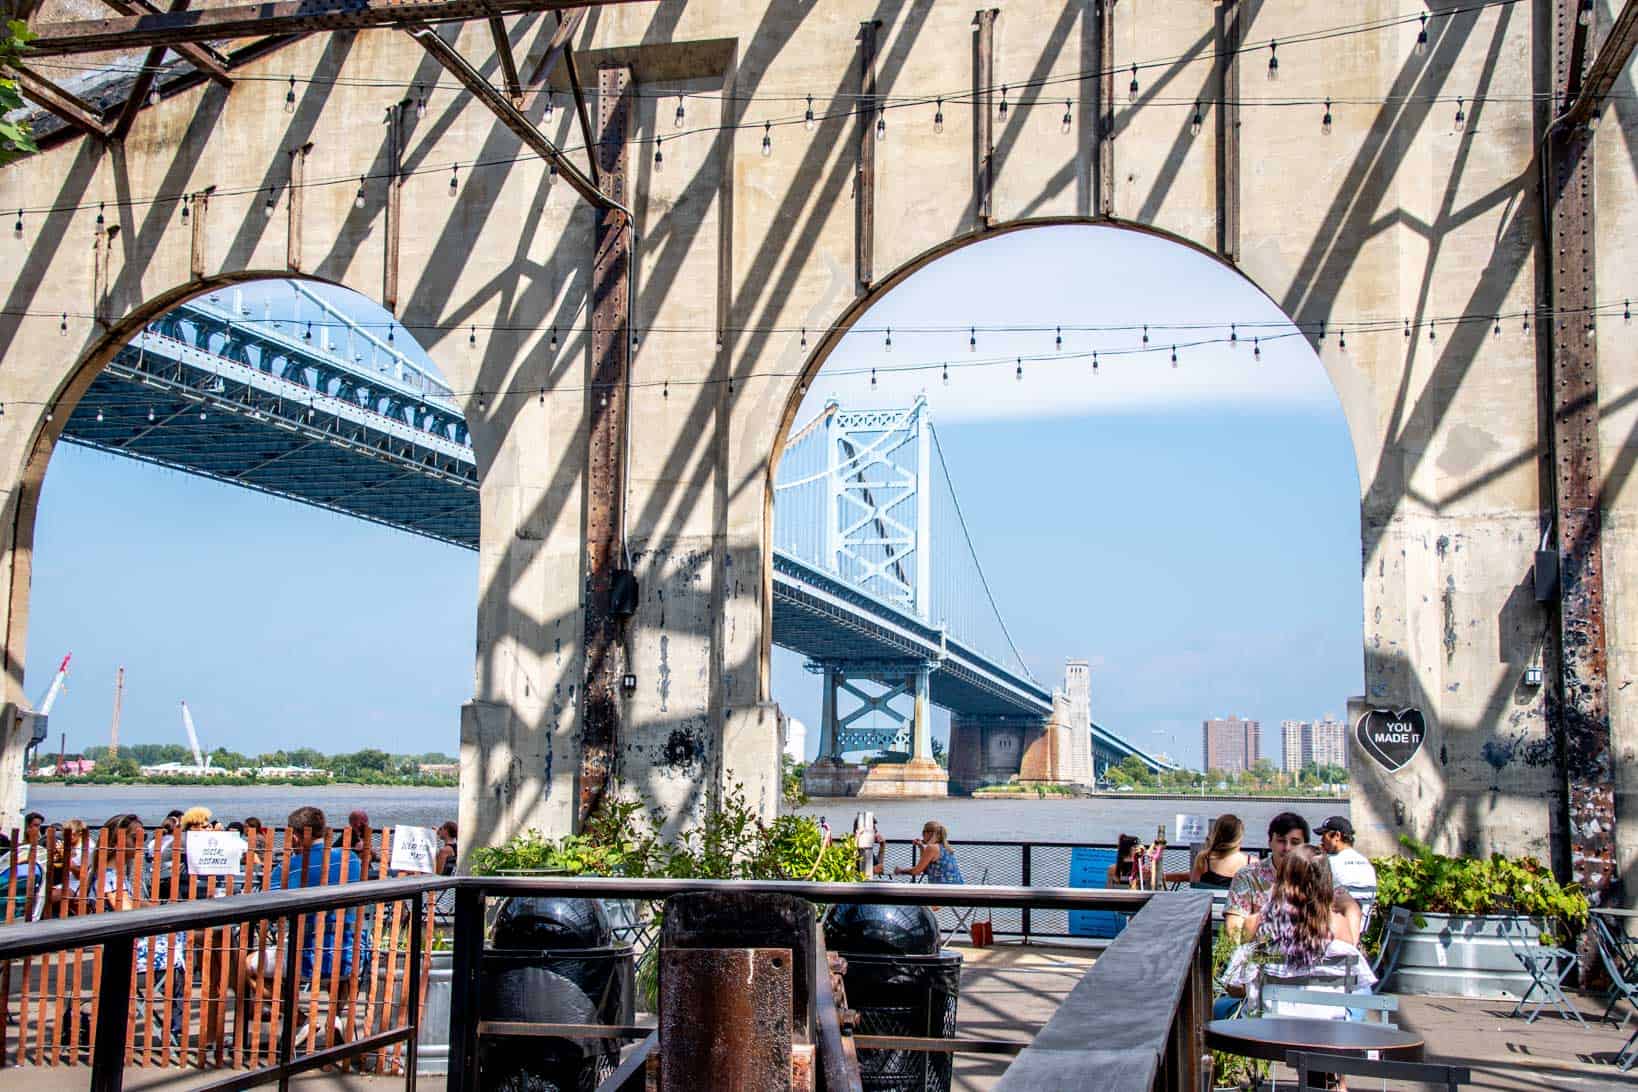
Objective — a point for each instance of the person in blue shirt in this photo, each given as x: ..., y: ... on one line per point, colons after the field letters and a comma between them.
x: 312, y: 864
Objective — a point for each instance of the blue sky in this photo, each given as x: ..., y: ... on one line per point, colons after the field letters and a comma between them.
x: 1193, y: 531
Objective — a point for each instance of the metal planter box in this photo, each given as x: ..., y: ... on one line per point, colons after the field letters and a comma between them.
x: 433, y: 1049
x: 1455, y: 956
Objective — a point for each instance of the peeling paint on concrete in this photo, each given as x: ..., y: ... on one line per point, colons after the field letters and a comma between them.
x: 1449, y: 600
x: 665, y: 672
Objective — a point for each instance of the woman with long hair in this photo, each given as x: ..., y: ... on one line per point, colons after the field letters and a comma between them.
x: 1299, y: 935
x: 1216, y: 865
x: 934, y: 857
x: 1135, y: 865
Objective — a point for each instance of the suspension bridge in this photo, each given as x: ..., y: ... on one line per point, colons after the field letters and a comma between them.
x: 876, y: 581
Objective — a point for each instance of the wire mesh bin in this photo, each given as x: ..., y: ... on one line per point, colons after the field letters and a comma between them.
x: 905, y: 995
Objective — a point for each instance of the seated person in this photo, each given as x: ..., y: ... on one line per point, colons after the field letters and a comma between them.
x: 1248, y: 892
x: 934, y: 857
x: 1351, y: 870
x: 1222, y: 859
x: 1297, y: 934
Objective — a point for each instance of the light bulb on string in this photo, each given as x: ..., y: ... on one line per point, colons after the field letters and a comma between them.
x: 99, y: 416
x: 1431, y: 324
x: 17, y: 228
x: 636, y: 337
x: 1422, y: 36
x: 1059, y: 343
x: 1256, y: 348
x: 151, y: 414
x: 1273, y: 60
x: 307, y: 335
x: 202, y: 413
x: 454, y: 179
x: 153, y: 94
x: 1322, y: 332
x: 1325, y: 122
x: 1018, y: 374
x: 49, y: 414
x: 881, y: 124
x: 807, y: 118
x: 1094, y: 362
x: 551, y: 107
x: 678, y: 118
x: 804, y: 337
x: 267, y: 206
x: 1069, y: 118
x: 1234, y: 337
x: 358, y: 201
x: 659, y: 157
x: 187, y: 203
x: 872, y: 378
x: 553, y: 343
x: 1174, y: 356
x: 938, y: 117
x: 665, y: 389
x: 62, y: 327
x: 472, y: 338
x: 972, y: 339
x: 389, y: 335
x: 1132, y: 88
x: 1460, y: 121
x: 290, y: 97
x: 946, y: 375
x: 767, y: 139
x: 1497, y: 331
x: 1198, y: 121
x: 483, y: 403
x: 1146, y: 334
x: 1526, y: 322
x: 1407, y: 328
x: 101, y: 220
x: 1626, y: 311
x: 719, y: 341
x: 1342, y: 340
x: 421, y: 102
x: 1002, y: 109
x: 888, y: 344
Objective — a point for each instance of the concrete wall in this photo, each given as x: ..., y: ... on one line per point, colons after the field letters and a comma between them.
x: 1392, y: 214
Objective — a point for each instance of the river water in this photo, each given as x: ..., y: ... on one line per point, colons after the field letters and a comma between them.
x: 1090, y: 820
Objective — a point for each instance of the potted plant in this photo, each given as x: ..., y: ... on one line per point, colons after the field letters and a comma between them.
x: 1469, y: 914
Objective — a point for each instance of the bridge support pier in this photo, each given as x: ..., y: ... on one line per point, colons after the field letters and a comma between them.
x: 918, y: 775
x: 986, y: 750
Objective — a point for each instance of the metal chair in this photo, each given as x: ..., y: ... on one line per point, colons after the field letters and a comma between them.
x: 1334, y: 975
x: 1617, y: 950
x: 963, y: 914
x: 1380, y: 1003
x: 1626, y: 989
x: 1387, y: 953
x: 1309, y: 1065
x: 1548, y: 967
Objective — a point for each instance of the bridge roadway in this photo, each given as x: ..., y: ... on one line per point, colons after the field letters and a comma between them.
x: 273, y: 406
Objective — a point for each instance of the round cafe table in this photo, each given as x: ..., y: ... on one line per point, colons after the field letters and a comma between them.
x: 1271, y: 1038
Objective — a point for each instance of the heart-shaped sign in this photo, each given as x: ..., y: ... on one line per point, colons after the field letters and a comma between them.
x: 1391, y: 738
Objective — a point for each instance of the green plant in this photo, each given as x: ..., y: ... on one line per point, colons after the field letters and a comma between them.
x: 16, y: 139
x: 1423, y: 881
x: 1231, y: 1070
x: 791, y: 772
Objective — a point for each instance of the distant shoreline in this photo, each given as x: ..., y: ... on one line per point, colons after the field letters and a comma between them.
x: 1249, y: 798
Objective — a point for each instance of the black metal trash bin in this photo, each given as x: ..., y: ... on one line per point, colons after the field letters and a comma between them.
x: 900, y: 984
x: 551, y: 961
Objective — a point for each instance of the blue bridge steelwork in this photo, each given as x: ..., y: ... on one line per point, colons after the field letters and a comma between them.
x: 875, y: 579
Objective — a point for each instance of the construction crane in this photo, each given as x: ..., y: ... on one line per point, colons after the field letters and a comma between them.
x: 199, y: 759
x: 113, y: 731
x: 34, y: 722
x: 56, y: 687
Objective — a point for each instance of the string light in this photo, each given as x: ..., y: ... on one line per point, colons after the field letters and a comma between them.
x: 1019, y: 373
x: 308, y: 334
x: 151, y: 414
x: 636, y: 337
x: 1431, y: 324
x: 454, y: 179
x: 267, y: 207
x: 1461, y: 115
x: 1527, y: 322
x: 62, y: 326
x: 1422, y: 36
x: 153, y: 94
x: 1497, y: 331
x: 1626, y: 311
x: 1094, y: 362
x: 1145, y: 335
x: 553, y: 344
x: 358, y: 202
x: 881, y: 124
x: 872, y: 378
x: 659, y: 158
x: 1197, y: 122
x: 946, y: 375
x: 1234, y: 337
x: 719, y: 341
x: 665, y: 389
x: 972, y: 339
x: 49, y: 414
x: 187, y: 202
x: 421, y: 102
x: 1060, y: 340
x: 1256, y: 348
x: 546, y: 114
x: 1273, y: 60
x: 472, y: 338
x: 1132, y: 88
x: 677, y: 120
x: 807, y: 118
x: 1407, y: 327
x: 889, y: 342
x: 101, y: 221
x: 17, y: 228
x: 290, y: 97
x: 1342, y: 340
x: 767, y: 139
x: 1069, y: 120
x: 99, y: 416
x: 483, y: 403
x: 804, y: 337
x: 1325, y: 122
x: 1174, y: 356
x: 202, y: 413
x: 938, y: 117
x: 1003, y: 108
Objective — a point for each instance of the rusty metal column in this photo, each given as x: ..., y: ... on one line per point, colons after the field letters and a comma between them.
x: 1103, y: 163
x: 984, y: 115
x: 1228, y: 130
x: 293, y: 201
x: 864, y: 191
x: 1579, y: 710
x: 606, y: 391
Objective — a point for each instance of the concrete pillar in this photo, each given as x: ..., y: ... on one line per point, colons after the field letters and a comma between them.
x: 828, y: 742
x: 921, y: 726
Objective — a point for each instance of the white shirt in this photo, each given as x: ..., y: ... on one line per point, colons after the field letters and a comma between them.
x: 1353, y: 870
x: 1340, y: 958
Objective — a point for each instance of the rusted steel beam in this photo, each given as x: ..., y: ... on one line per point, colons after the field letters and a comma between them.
x: 1579, y: 709
x: 204, y: 58
x: 1228, y: 130
x: 1607, y: 65
x: 395, y: 205
x: 864, y: 190
x: 503, y: 51
x: 196, y: 241
x: 580, y: 111
x: 833, y: 1033
x: 1104, y: 161
x: 725, y: 1018
x: 607, y: 389
x: 293, y: 201
x: 275, y: 17
x: 983, y: 99
x: 65, y: 104
x: 509, y: 115
x: 144, y: 83
x: 567, y: 24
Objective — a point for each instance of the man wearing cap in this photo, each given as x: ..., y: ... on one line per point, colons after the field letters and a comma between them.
x: 1350, y: 869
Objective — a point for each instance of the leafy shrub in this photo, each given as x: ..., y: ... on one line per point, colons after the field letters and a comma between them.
x: 1431, y: 883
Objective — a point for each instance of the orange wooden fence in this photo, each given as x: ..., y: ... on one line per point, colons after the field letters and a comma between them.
x: 219, y: 1005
